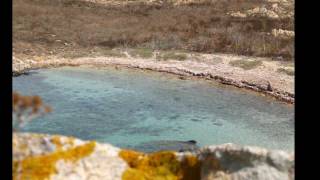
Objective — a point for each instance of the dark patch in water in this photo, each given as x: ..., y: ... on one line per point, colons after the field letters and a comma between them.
x: 174, y: 117
x: 146, y: 130
x: 131, y: 111
x: 170, y: 145
x: 217, y: 123
x: 177, y: 99
x: 177, y: 129
x: 195, y: 120
x: 150, y: 106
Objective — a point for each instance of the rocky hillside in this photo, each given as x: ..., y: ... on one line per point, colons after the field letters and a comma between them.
x: 82, y: 27
x: 38, y: 156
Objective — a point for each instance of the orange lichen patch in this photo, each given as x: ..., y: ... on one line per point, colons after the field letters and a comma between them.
x: 41, y: 167
x: 23, y: 147
x: 15, y: 166
x: 132, y: 157
x: 71, y: 141
x: 191, y: 168
x: 56, y: 141
x: 18, y: 145
x: 159, y: 165
x: 60, y: 143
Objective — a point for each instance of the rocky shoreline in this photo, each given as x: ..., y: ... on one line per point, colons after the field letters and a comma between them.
x: 41, y: 156
x: 260, y: 80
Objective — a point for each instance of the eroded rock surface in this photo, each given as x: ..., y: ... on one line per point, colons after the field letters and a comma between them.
x: 230, y: 161
x: 39, y: 156
x: 272, y: 9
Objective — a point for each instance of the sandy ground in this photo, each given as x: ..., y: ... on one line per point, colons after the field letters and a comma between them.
x: 265, y: 78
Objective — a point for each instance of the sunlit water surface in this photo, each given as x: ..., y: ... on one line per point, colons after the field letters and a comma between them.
x: 131, y: 109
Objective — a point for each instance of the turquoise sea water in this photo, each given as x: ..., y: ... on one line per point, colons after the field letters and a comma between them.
x: 131, y: 108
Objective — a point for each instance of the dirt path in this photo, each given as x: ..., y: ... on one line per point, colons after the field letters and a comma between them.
x: 258, y: 74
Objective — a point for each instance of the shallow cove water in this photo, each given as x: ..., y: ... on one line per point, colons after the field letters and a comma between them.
x: 132, y: 108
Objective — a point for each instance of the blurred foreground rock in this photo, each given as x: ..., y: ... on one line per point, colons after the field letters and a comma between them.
x: 39, y: 156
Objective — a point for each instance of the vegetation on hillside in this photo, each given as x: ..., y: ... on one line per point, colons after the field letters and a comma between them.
x: 245, y: 64
x: 50, y: 27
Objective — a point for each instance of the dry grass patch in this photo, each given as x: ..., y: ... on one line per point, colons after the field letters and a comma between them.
x: 245, y: 64
x: 92, y: 52
x: 75, y: 54
x: 172, y: 55
x: 112, y: 52
x: 288, y: 71
x: 287, y: 64
x: 141, y: 52
x: 52, y: 25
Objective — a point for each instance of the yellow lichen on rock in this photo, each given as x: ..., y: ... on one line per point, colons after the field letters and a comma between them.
x: 191, y: 168
x: 159, y: 165
x: 57, y: 142
x: 42, y: 166
x: 61, y: 143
